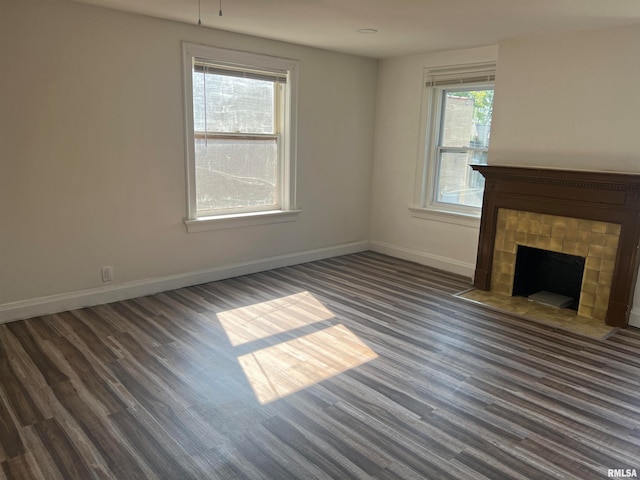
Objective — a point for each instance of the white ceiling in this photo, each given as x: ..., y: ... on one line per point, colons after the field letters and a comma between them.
x: 404, y: 26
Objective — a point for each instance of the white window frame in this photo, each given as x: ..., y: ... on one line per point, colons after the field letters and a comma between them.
x: 287, y: 148
x: 435, y: 82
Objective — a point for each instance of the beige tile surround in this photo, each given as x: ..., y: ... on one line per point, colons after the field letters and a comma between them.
x: 596, y: 241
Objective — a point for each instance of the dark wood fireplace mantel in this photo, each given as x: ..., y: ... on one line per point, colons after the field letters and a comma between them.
x: 605, y: 197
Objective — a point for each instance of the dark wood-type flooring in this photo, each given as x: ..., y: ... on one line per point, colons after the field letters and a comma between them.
x: 360, y: 366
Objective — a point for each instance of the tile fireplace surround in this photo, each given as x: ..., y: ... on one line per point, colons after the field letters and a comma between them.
x: 590, y: 214
x: 597, y: 242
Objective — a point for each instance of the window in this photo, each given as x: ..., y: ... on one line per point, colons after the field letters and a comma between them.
x: 457, y: 129
x: 240, y: 136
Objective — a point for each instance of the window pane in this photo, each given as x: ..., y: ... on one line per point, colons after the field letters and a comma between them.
x: 233, y: 105
x: 236, y: 173
x: 457, y: 182
x: 466, y: 118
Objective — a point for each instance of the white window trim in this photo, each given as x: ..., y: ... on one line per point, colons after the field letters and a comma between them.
x: 238, y: 220
x: 424, y: 204
x: 288, y: 192
x: 446, y: 216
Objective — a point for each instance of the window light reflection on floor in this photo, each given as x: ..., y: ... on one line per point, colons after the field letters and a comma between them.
x: 292, y: 365
x: 288, y: 367
x: 261, y: 320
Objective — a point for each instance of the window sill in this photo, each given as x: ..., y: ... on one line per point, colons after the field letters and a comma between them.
x: 470, y: 220
x: 239, y: 220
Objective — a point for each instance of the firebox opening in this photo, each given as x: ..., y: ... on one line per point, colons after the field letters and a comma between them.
x: 546, y: 271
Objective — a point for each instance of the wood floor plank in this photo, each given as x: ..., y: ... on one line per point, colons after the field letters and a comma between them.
x: 21, y: 467
x: 62, y: 450
x: 117, y: 453
x: 159, y: 452
x: 15, y: 393
x: 374, y: 371
x: 34, y: 348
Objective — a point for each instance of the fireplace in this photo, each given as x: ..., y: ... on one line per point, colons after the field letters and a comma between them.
x: 587, y: 215
x: 593, y: 241
x: 548, y: 277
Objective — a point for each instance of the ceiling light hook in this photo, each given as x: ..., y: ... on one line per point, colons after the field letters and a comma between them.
x: 200, y: 11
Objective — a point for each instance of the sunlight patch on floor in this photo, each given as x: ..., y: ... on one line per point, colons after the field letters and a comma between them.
x: 291, y: 366
x: 265, y: 319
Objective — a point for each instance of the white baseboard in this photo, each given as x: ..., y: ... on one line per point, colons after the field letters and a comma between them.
x: 425, y: 258
x: 96, y: 296
x: 634, y: 318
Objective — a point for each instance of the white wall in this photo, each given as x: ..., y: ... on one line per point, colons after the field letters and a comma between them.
x: 92, y: 153
x: 393, y: 230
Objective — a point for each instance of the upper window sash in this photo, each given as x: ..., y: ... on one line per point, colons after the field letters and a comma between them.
x: 441, y: 95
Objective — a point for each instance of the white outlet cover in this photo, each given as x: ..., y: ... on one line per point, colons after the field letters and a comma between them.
x: 107, y: 274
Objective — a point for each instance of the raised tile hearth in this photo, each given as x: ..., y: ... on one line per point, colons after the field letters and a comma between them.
x: 561, y: 318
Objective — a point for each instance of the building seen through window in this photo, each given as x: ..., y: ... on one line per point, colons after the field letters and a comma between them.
x: 237, y: 130
x: 464, y: 135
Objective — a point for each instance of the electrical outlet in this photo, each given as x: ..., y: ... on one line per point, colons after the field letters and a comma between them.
x: 107, y: 274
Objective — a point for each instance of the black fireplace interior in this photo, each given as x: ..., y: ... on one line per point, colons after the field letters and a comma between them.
x: 538, y: 270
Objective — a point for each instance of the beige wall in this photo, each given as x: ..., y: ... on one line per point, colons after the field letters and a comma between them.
x: 569, y: 101
x: 92, y: 150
